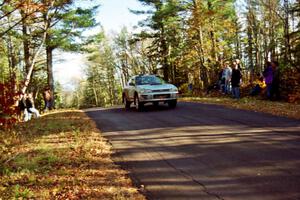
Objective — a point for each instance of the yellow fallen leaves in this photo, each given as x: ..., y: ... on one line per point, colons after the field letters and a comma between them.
x: 248, y: 103
x: 61, y: 156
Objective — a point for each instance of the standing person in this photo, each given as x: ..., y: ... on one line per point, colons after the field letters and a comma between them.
x: 236, y: 80
x: 268, y: 75
x: 23, y: 107
x: 47, y: 99
x: 276, y: 81
x: 220, y: 80
x: 30, y: 106
x: 238, y: 62
x: 227, y: 72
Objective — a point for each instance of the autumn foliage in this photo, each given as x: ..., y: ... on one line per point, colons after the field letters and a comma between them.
x: 290, y: 85
x: 8, y: 109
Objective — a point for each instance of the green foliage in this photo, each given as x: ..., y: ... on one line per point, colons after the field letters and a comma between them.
x: 67, y: 32
x: 22, y: 193
x: 184, y: 41
x: 59, y: 23
x: 100, y: 87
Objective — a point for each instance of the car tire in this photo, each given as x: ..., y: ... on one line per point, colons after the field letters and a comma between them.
x: 172, y: 103
x: 138, y: 105
x: 126, y: 103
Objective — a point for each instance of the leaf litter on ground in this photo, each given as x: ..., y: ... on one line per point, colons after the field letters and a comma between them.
x: 277, y: 108
x: 61, y: 155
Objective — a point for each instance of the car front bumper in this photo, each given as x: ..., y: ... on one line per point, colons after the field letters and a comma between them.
x: 158, y: 97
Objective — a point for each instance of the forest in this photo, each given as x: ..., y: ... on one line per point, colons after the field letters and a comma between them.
x: 184, y: 41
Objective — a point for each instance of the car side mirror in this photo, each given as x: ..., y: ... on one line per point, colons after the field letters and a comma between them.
x: 131, y: 84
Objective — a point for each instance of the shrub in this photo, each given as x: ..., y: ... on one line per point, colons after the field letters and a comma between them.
x: 8, y: 107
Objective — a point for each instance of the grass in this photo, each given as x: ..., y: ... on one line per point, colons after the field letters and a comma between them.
x: 60, y: 156
x: 277, y: 108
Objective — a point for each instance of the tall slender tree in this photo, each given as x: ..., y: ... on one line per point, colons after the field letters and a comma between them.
x: 65, y: 23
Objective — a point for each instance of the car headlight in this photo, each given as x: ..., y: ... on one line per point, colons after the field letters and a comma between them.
x: 145, y: 91
x: 174, y: 89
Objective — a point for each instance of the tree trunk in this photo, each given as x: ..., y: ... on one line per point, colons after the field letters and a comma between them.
x: 30, y: 70
x: 203, y: 69
x: 237, y: 40
x: 26, y: 43
x: 12, y: 62
x: 95, y: 93
x: 50, y: 78
x: 34, y: 57
x: 287, y: 54
x: 212, y: 36
x: 165, y: 52
x: 250, y: 51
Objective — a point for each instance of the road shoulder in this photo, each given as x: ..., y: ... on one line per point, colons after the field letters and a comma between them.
x: 276, y: 108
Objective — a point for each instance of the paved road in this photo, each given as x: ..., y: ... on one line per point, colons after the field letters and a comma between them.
x: 205, y: 152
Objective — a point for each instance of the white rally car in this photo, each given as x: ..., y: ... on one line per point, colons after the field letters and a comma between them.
x: 144, y: 89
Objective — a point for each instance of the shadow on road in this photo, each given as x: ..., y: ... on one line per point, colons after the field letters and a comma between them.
x: 200, y: 151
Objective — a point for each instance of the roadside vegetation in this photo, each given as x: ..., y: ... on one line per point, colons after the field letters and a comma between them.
x: 60, y: 156
x: 278, y: 108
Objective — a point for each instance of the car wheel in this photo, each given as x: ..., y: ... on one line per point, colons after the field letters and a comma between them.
x: 172, y: 103
x: 138, y: 105
x: 126, y: 103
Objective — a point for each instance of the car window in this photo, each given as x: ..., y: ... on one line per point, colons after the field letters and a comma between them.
x: 149, y: 80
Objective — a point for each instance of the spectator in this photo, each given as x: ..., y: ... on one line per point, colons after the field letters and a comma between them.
x: 23, y: 107
x: 227, y: 72
x: 236, y: 80
x: 259, y: 85
x: 221, y: 80
x: 30, y: 106
x: 190, y: 87
x: 239, y: 67
x: 268, y: 75
x: 47, y: 99
x: 276, y: 81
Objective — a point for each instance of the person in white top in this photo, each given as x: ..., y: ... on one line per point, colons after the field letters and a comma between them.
x: 227, y: 75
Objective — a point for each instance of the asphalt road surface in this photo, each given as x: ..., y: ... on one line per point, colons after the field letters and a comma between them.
x: 203, y: 152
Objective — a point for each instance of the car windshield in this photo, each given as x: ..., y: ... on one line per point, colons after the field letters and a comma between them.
x: 149, y: 80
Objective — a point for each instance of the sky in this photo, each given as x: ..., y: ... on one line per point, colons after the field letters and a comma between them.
x: 112, y: 15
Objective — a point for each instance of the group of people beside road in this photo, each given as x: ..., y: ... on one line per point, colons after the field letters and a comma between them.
x: 230, y: 79
x: 27, y: 108
x: 269, y: 81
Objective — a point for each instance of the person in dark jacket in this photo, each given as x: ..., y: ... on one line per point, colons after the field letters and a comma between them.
x: 275, y: 95
x: 23, y: 107
x: 47, y: 95
x: 268, y: 75
x: 236, y: 80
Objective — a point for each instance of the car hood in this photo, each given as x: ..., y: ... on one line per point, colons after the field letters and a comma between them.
x: 156, y: 87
